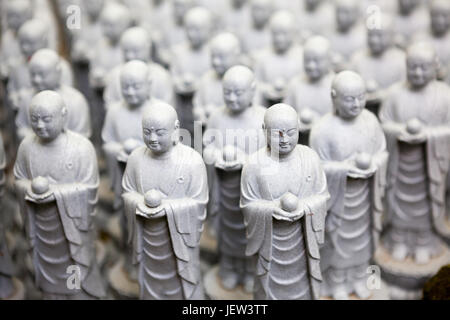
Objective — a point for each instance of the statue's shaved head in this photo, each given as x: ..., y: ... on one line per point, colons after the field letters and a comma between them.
x: 135, y: 36
x: 33, y: 29
x: 136, y: 70
x: 421, y: 50
x: 318, y: 45
x: 50, y: 100
x: 239, y: 76
x: 347, y: 82
x: 46, y: 58
x: 160, y: 115
x: 281, y: 116
x: 225, y: 42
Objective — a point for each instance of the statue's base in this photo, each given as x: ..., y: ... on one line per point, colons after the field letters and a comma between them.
x: 215, y: 290
x: 120, y: 282
x: 407, y: 278
x: 19, y: 291
x: 381, y: 293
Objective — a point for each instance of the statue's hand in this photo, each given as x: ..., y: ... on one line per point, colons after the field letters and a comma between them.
x: 280, y: 214
x: 150, y: 213
x: 357, y: 173
x: 46, y: 197
x: 412, y: 138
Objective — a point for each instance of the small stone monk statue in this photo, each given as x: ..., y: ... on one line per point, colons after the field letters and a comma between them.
x: 46, y: 74
x: 351, y: 144
x: 33, y: 36
x: 165, y: 194
x: 283, y: 199
x: 276, y: 65
x: 136, y: 45
x: 115, y: 18
x: 416, y: 121
x: 381, y: 64
x: 225, y: 53
x: 56, y: 181
x: 233, y: 132
x: 308, y: 92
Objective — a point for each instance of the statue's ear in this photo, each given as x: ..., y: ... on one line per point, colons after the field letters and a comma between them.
x: 264, y: 126
x: 177, y: 124
x: 333, y: 93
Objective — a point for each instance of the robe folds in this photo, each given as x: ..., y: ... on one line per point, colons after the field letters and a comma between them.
x: 61, y: 232
x: 244, y: 132
x: 278, y: 245
x: 166, y: 248
x: 420, y: 168
x: 355, y: 208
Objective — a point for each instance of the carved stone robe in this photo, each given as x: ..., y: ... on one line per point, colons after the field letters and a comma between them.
x: 245, y: 133
x: 417, y: 173
x: 356, y: 205
x: 166, y: 248
x: 61, y: 233
x: 386, y: 69
x: 288, y: 257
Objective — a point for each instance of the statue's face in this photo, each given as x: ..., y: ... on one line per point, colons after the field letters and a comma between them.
x: 113, y: 29
x: 135, y: 51
x: 158, y: 134
x: 222, y: 60
x: 30, y: 44
x: 378, y: 40
x: 420, y: 70
x: 197, y: 33
x: 440, y: 20
x: 46, y: 122
x: 282, y: 37
x: 350, y: 101
x: 316, y: 64
x: 238, y: 95
x: 282, y: 135
x: 261, y: 13
x: 94, y: 7
x: 45, y: 76
x: 407, y: 6
x: 135, y: 89
x: 346, y: 17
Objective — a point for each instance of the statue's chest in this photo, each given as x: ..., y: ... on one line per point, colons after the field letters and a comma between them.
x: 54, y: 164
x: 128, y: 125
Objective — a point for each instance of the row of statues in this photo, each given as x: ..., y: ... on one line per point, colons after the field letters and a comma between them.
x: 303, y: 187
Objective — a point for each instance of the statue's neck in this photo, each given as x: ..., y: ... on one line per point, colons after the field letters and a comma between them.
x: 162, y: 155
x: 55, y: 142
x: 281, y: 157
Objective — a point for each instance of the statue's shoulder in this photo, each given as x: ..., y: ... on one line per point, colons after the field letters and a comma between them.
x: 190, y: 156
x: 257, y: 161
x: 259, y: 111
x: 306, y: 152
x: 80, y: 144
x: 136, y: 156
x: 156, y: 68
x: 26, y: 143
x: 216, y: 116
x: 71, y: 94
